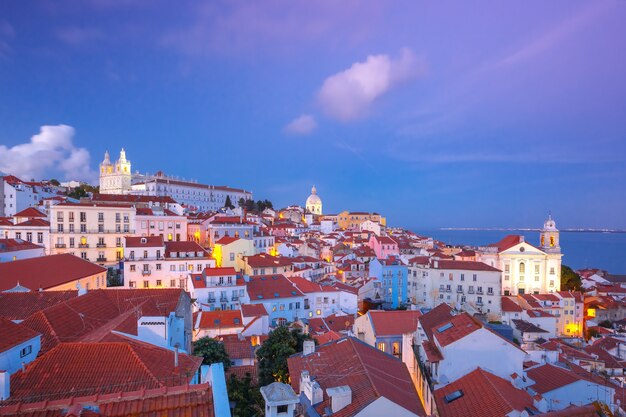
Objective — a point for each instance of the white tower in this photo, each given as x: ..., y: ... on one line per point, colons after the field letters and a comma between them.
x: 549, y: 237
x: 115, y: 179
x: 314, y: 202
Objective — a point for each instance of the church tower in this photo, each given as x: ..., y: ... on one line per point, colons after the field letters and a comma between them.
x: 115, y: 179
x: 314, y: 202
x: 549, y: 237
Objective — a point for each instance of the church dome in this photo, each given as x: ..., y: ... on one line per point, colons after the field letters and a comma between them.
x: 314, y: 202
x: 549, y: 224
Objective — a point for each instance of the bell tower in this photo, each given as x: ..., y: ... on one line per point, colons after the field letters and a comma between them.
x: 549, y: 237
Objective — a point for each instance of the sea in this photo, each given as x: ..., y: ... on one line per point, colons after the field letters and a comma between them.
x: 580, y: 249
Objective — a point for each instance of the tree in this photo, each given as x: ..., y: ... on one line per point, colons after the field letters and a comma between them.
x: 570, y: 280
x: 273, y: 354
x: 77, y: 193
x: 55, y: 182
x: 228, y: 203
x: 241, y: 202
x: 212, y: 351
x: 246, y: 396
x: 250, y: 206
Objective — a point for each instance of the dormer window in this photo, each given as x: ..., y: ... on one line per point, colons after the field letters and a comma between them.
x: 144, y: 240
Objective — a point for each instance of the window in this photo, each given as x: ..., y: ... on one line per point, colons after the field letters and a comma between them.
x: 60, y: 227
x: 40, y: 237
x: 100, y: 217
x: 551, y: 270
x: 132, y: 268
x: 27, y: 350
x: 172, y: 268
x: 83, y: 228
x: 462, y: 277
x: 522, y: 268
x: 474, y: 277
x: 158, y: 267
x: 131, y: 284
x: 232, y: 256
x: 146, y: 284
x: 552, y: 283
x: 159, y: 283
x: 172, y: 283
x: 71, y: 227
x: 490, y: 290
x: 83, y: 216
x: 18, y: 235
x: 459, y: 288
x: 29, y: 236
x: 381, y: 346
x: 395, y: 348
x: 318, y: 312
x: 479, y: 300
x: 507, y: 268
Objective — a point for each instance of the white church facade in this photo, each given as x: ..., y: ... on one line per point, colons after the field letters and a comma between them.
x: 526, y: 268
x: 314, y: 203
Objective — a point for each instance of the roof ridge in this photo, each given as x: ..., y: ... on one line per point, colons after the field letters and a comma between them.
x: 366, y: 372
x: 130, y: 347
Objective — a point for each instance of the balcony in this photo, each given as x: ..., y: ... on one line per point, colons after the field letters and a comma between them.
x: 470, y: 291
x: 459, y: 291
x: 234, y: 298
x: 60, y: 245
x: 102, y: 259
x: 480, y: 292
x: 101, y: 245
x: 211, y: 300
x: 83, y: 245
x: 96, y: 231
x: 146, y: 272
x: 223, y: 299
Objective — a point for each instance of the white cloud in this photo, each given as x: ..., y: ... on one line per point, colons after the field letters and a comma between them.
x: 348, y: 95
x: 50, y: 152
x: 302, y: 125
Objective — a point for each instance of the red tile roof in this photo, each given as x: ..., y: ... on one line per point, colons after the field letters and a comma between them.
x: 392, y: 323
x: 144, y: 242
x: 508, y: 242
x: 438, y: 315
x: 242, y: 372
x: 182, y: 401
x: 31, y: 212
x: 268, y: 287
x: 368, y: 372
x: 549, y: 377
x: 218, y: 319
x: 508, y: 305
x: 101, y: 368
x: 226, y: 240
x: 463, y: 265
x: 12, y: 334
x: 184, y: 246
x: 34, y: 223
x: 484, y: 394
x: 131, y: 198
x: 20, y: 305
x: 46, y: 271
x: 455, y: 329
x: 14, y: 245
x: 217, y: 272
x: 253, y: 310
x: 264, y: 260
x: 238, y: 347
x: 96, y: 313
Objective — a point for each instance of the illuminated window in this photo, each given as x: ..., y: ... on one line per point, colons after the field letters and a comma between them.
x: 381, y: 346
x: 551, y: 240
x: 396, y: 348
x: 522, y: 268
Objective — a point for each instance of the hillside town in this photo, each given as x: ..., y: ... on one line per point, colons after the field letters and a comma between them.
x: 152, y: 292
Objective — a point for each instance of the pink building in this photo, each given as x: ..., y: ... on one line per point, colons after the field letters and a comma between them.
x: 383, y: 246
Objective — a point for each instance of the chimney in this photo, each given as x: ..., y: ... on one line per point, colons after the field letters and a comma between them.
x: 340, y: 397
x: 5, y: 385
x: 308, y: 347
x: 176, y: 357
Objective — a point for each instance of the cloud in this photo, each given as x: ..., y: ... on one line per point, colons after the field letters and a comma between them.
x: 303, y: 125
x: 49, y: 152
x: 77, y: 36
x: 349, y: 94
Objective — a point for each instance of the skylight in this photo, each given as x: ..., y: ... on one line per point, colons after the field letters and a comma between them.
x: 259, y: 296
x: 445, y: 327
x: 453, y: 396
x: 276, y: 294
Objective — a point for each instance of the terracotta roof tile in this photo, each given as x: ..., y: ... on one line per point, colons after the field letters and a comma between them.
x: 549, y: 377
x: 455, y: 329
x: 219, y: 319
x: 483, y: 394
x: 368, y: 372
x: 20, y: 305
x: 267, y: 287
x: 389, y: 323
x: 253, y: 310
x: 46, y: 271
x: 12, y: 334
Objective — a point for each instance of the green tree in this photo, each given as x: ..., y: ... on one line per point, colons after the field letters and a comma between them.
x: 570, y: 280
x: 54, y: 181
x: 212, y: 351
x: 241, y: 202
x: 78, y: 192
x: 228, y: 203
x: 246, y: 396
x: 250, y: 205
x: 273, y: 354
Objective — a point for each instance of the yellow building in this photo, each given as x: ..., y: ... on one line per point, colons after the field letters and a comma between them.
x: 228, y: 249
x: 353, y: 219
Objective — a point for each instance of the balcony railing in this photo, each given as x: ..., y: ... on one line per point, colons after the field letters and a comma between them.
x: 146, y: 272
x: 83, y: 245
x: 101, y: 259
x: 223, y: 299
x: 101, y: 245
x: 211, y: 300
x: 60, y: 245
x: 470, y: 291
x: 95, y: 231
x: 235, y: 298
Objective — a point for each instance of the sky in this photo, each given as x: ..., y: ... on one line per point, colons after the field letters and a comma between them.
x: 435, y: 114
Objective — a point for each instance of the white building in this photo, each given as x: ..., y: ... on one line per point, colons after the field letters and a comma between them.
x: 159, y: 221
x: 527, y: 269
x: 20, y: 346
x: 218, y: 288
x: 115, y: 179
x: 17, y: 195
x: 94, y: 232
x: 469, y: 286
x: 150, y: 262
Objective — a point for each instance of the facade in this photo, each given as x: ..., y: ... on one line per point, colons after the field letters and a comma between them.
x: 227, y: 249
x: 159, y: 221
x: 20, y: 346
x: 115, y: 178
x: 383, y: 246
x: 353, y: 219
x: 15, y: 249
x: 314, y: 203
x: 17, y: 195
x: 392, y: 274
x: 384, y: 330
x: 218, y: 289
x: 94, y: 232
x: 527, y: 269
x: 149, y: 262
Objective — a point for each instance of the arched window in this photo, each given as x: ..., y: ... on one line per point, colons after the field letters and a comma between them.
x: 522, y: 268
x: 551, y: 240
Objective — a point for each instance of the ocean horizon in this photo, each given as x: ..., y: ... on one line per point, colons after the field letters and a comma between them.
x: 580, y: 249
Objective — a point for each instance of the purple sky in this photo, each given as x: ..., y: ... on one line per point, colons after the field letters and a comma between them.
x: 434, y: 113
